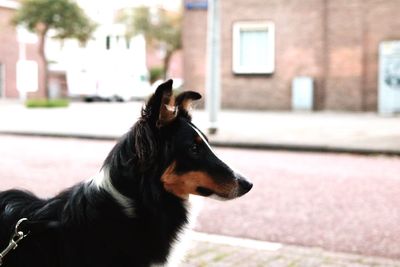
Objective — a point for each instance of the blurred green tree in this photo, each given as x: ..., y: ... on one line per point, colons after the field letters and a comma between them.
x: 159, y: 27
x: 64, y: 17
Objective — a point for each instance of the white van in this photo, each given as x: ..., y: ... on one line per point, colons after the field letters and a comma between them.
x: 112, y: 72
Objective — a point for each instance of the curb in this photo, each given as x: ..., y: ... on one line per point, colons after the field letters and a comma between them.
x: 235, y: 241
x: 62, y: 135
x: 228, y: 144
x: 306, y: 148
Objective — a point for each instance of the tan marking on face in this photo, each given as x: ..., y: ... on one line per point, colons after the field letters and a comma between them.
x: 184, y: 185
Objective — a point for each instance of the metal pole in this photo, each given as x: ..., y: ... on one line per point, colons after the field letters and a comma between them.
x: 213, y: 65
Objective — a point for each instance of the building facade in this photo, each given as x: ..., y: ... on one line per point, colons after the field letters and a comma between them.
x: 265, y: 44
x: 10, y: 53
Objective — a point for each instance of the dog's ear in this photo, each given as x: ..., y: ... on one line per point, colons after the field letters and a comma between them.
x: 160, y: 109
x: 167, y: 111
x: 184, y: 102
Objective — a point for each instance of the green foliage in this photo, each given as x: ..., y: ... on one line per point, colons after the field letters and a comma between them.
x: 156, y: 73
x: 168, y: 30
x: 159, y: 27
x: 47, y: 103
x: 64, y: 16
x: 137, y: 21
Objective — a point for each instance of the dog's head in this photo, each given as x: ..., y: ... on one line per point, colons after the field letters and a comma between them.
x: 190, y: 165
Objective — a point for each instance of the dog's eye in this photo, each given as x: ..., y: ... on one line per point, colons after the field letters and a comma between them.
x: 194, y: 148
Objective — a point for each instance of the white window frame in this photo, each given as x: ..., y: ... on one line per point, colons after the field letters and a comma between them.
x: 254, y: 25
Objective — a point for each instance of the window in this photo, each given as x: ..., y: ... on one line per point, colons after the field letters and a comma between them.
x: 108, y: 42
x: 253, y: 48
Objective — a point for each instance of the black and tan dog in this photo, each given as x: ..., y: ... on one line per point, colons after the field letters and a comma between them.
x: 131, y: 213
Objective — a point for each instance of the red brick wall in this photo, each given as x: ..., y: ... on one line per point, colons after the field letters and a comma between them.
x: 194, y: 49
x: 382, y: 24
x: 298, y: 42
x: 298, y: 26
x: 33, y: 54
x: 175, y: 65
x: 354, y: 30
x: 154, y: 59
x: 9, y: 53
x: 335, y: 42
x: 344, y: 55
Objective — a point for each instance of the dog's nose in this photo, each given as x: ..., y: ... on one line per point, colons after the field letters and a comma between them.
x: 245, y: 186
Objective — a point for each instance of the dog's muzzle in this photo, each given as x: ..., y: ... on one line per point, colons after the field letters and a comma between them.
x: 244, y: 186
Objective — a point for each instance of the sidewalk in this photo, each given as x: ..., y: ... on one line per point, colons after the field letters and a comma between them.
x: 283, y: 130
x: 212, y: 251
x: 319, y: 131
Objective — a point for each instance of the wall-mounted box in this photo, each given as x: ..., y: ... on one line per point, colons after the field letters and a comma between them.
x: 302, y: 93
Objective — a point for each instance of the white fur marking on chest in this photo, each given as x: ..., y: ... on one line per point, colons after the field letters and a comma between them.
x: 102, y: 180
x: 182, y: 243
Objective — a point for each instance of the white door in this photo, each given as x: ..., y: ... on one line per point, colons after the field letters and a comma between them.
x: 389, y: 77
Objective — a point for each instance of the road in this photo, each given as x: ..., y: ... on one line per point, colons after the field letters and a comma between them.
x: 338, y: 202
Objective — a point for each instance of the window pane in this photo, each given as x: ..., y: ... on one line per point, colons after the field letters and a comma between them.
x: 253, y: 48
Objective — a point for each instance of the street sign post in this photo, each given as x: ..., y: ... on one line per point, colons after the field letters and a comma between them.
x: 213, y: 65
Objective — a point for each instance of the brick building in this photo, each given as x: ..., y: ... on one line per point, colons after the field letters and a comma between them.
x: 10, y: 53
x: 266, y: 43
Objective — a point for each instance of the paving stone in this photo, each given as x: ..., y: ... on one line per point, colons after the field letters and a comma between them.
x: 205, y: 254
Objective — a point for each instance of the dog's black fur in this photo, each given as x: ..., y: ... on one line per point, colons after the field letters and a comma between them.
x: 148, y: 166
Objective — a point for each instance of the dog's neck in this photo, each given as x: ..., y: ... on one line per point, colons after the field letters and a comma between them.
x: 179, y: 243
x: 131, y: 177
x: 103, y: 181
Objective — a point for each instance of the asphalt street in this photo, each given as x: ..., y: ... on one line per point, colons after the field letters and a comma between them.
x: 339, y: 202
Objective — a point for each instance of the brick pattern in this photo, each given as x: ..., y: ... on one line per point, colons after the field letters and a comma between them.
x: 382, y: 25
x: 335, y: 42
x: 9, y: 54
x: 33, y: 54
x: 194, y: 49
x: 344, y: 55
x: 272, y: 92
x: 211, y: 254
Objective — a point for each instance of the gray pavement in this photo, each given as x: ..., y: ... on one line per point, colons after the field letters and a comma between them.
x: 322, y: 131
x: 318, y: 131
x: 220, y: 251
x: 338, y: 202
